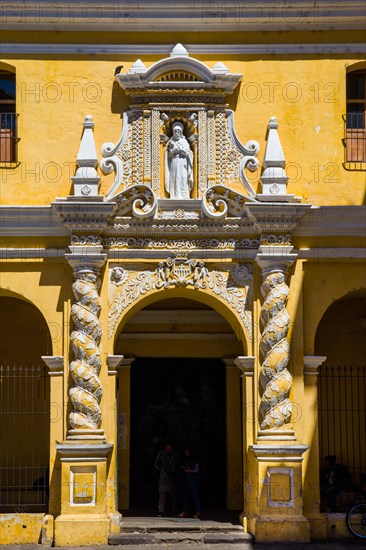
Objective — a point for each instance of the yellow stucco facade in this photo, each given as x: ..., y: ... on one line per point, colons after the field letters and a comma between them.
x: 96, y: 283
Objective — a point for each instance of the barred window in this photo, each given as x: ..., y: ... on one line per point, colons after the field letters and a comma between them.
x: 355, y: 137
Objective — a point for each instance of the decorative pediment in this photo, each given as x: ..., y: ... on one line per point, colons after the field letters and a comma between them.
x: 179, y: 71
x: 178, y: 137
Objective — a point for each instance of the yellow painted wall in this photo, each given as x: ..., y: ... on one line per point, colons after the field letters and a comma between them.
x: 307, y: 95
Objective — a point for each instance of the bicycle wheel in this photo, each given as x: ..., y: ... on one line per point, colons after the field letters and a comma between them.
x: 356, y: 520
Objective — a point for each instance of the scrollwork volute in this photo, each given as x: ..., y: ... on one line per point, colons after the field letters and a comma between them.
x: 275, y: 379
x: 86, y: 391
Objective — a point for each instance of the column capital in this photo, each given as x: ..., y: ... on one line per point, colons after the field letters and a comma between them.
x: 245, y: 364
x: 229, y: 361
x: 312, y: 363
x: 55, y: 363
x: 113, y: 361
x: 126, y: 363
x: 83, y: 259
x: 275, y: 258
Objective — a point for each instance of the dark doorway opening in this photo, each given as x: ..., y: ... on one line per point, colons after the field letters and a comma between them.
x: 183, y: 401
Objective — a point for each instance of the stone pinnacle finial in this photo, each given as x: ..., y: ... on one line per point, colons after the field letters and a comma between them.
x: 86, y: 179
x: 179, y: 51
x: 274, y: 178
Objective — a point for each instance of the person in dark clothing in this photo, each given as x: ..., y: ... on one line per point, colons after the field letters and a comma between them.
x: 191, y: 471
x: 168, y: 464
x: 334, y: 477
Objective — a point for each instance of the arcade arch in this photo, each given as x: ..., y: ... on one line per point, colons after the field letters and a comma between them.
x: 340, y: 336
x: 24, y: 406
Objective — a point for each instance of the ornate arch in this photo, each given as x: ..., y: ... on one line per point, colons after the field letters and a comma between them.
x: 131, y: 291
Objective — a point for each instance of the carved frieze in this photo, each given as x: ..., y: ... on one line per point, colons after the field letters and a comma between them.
x: 176, y: 244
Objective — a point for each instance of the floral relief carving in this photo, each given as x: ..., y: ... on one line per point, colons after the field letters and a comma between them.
x: 181, y: 272
x: 149, y: 242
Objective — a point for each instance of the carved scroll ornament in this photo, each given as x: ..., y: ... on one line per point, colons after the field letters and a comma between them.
x: 181, y: 272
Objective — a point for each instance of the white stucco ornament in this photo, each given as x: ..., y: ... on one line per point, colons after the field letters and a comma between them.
x: 274, y: 178
x: 86, y: 180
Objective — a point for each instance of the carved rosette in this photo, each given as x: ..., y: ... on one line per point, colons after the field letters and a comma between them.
x: 86, y: 392
x: 275, y: 380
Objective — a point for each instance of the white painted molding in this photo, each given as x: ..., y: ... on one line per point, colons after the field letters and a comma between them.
x: 161, y: 15
x: 312, y: 363
x: 113, y: 362
x: 126, y: 363
x: 141, y: 336
x: 301, y: 49
x: 139, y: 77
x: 246, y: 365
x: 84, y: 451
x: 58, y: 254
x: 283, y: 471
x: 318, y: 221
x: 276, y: 453
x: 55, y: 363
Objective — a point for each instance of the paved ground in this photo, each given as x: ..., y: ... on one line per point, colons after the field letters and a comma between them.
x: 344, y: 545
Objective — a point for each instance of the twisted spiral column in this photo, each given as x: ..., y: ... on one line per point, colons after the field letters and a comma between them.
x: 275, y: 380
x: 85, y: 393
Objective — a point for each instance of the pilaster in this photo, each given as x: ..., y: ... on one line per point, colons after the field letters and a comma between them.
x: 274, y: 503
x: 55, y: 366
x: 123, y: 368
x: 317, y: 520
x: 245, y: 365
x: 234, y: 496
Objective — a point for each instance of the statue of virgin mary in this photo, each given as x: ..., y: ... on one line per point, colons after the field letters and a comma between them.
x: 178, y: 165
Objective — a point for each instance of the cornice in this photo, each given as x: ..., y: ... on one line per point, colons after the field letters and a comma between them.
x: 318, y: 221
x: 163, y: 15
x: 24, y: 221
x: 302, y: 49
x: 332, y: 221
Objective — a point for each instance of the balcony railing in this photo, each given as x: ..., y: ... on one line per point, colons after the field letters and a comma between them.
x: 355, y: 137
x: 8, y: 138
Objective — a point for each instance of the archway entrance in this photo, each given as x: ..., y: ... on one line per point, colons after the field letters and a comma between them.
x: 181, y: 401
x: 340, y: 337
x: 24, y: 407
x: 183, y: 387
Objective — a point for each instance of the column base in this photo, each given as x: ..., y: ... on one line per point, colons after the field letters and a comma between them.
x: 81, y: 530
x: 280, y: 529
x: 318, y: 526
x: 85, y: 435
x: 116, y: 520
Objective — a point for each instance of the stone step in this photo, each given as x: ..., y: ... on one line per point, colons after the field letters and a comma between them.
x: 121, y: 539
x: 162, y: 524
x: 154, y: 531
